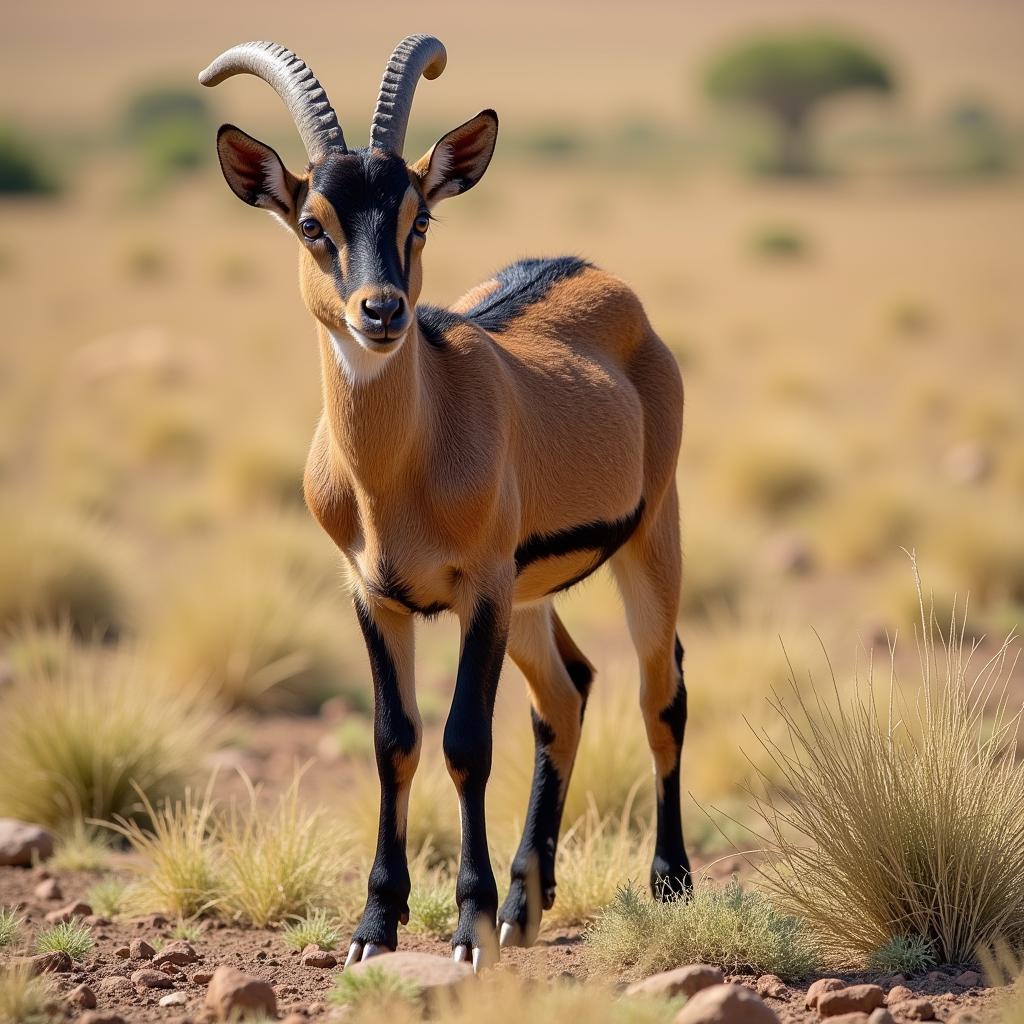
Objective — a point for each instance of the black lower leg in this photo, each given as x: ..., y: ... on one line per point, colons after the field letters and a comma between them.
x: 396, y: 743
x: 468, y: 750
x: 670, y: 870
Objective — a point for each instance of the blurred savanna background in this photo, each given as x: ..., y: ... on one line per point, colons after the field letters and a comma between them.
x: 821, y: 206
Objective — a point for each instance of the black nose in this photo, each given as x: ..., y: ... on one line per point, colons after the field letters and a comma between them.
x: 383, y: 311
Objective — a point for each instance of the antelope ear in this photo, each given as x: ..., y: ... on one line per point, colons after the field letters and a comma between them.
x: 255, y: 174
x: 458, y: 160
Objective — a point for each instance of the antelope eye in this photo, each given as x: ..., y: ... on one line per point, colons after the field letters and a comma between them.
x: 311, y: 228
x: 421, y: 224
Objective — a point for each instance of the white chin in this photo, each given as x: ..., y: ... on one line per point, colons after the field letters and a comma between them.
x: 380, y: 348
x: 359, y: 357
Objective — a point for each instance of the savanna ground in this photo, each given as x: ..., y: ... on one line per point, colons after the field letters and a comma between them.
x: 853, y: 350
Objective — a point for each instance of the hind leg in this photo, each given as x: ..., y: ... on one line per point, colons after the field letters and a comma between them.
x: 647, y: 570
x: 558, y: 677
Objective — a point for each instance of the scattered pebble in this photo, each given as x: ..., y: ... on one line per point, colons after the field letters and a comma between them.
x: 857, y: 1017
x: 72, y: 910
x: 22, y: 844
x: 314, y: 956
x: 968, y: 979
x: 57, y: 962
x: 430, y: 974
x: 771, y: 985
x: 232, y: 994
x: 174, y: 999
x: 203, y: 977
x: 178, y: 952
x: 726, y: 1004
x: 115, y: 984
x: 140, y: 949
x: 683, y: 981
x: 881, y: 1015
x: 149, y: 978
x: 123, y: 952
x: 819, y: 988
x: 82, y: 997
x: 897, y: 994
x: 917, y: 1009
x: 100, y: 1017
x: 48, y: 889
x: 853, y: 998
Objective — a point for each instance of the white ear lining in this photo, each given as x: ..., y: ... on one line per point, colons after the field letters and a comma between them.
x: 274, y: 181
x: 438, y: 166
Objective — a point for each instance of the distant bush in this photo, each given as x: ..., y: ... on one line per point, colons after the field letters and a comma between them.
x: 773, y: 479
x: 171, y: 127
x: 23, y: 169
x: 723, y: 925
x: 788, y: 77
x: 76, y: 740
x: 924, y: 781
x: 779, y: 242
x: 980, y: 140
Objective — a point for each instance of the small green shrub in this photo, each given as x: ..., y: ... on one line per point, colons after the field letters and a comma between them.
x: 903, y: 954
x: 170, y: 125
x: 779, y: 242
x: 374, y: 987
x: 316, y: 927
x: 725, y: 925
x: 73, y: 937
x: 189, y: 930
x: 23, y: 170
x: 432, y: 900
x: 10, y: 926
x: 107, y: 896
x: 81, y: 847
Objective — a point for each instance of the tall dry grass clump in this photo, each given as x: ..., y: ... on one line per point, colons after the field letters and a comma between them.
x: 902, y: 812
x: 80, y: 733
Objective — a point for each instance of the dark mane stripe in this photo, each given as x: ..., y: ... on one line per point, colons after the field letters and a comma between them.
x: 520, y: 285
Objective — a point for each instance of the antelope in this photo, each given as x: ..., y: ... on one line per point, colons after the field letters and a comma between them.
x: 478, y: 459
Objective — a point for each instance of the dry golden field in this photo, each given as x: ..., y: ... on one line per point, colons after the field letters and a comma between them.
x: 852, y: 346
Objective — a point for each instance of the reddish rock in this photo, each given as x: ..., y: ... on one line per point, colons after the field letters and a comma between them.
x: 203, y: 977
x: 849, y: 1018
x: 726, y: 1004
x: 683, y: 981
x: 123, y: 952
x: 48, y: 889
x: 969, y: 979
x: 917, y: 1009
x: 100, y: 1017
x: 178, y: 952
x: 57, y: 962
x: 852, y: 999
x: 82, y: 997
x: 174, y: 999
x: 72, y: 910
x: 314, y: 956
x: 233, y: 994
x: 771, y: 985
x: 170, y: 969
x: 430, y: 974
x: 140, y: 949
x: 148, y: 978
x: 115, y: 985
x: 98, y: 921
x: 964, y: 1017
x: 898, y: 994
x: 22, y: 844
x: 881, y: 1016
x: 819, y: 988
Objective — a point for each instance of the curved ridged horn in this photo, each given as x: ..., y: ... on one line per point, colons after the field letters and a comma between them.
x: 294, y: 82
x: 413, y: 56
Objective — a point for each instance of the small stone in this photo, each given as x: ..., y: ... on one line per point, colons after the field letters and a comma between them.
x: 72, y: 910
x: 123, y: 952
x: 233, y: 994
x: 968, y: 979
x: 140, y: 949
x: 683, y: 981
x: 881, y: 1015
x: 56, y: 962
x: 294, y: 1018
x: 148, y: 978
x: 98, y: 921
x: 771, y: 985
x: 917, y: 1009
x: 83, y: 997
x: 178, y: 952
x: 22, y: 844
x: 170, y: 969
x: 430, y: 974
x: 202, y: 977
x: 897, y: 994
x: 48, y: 889
x: 157, y: 921
x: 314, y: 956
x: 964, y: 1017
x: 940, y: 978
x: 850, y: 1018
x: 819, y: 988
x: 174, y: 999
x: 853, y: 998
x: 100, y: 1017
x: 115, y: 984
x: 726, y: 1004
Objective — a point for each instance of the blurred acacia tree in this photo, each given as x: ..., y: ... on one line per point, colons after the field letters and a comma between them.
x: 788, y: 76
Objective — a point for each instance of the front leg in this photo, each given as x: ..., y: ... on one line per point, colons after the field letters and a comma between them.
x: 396, y: 741
x: 467, y: 751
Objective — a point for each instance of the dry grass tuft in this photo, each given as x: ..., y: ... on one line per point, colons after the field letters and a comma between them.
x: 80, y: 736
x: 25, y: 999
x: 432, y: 900
x: 73, y: 937
x: 81, y: 847
x: 725, y: 925
x: 180, y: 870
x: 107, y: 896
x: 279, y: 862
x: 316, y: 927
x: 10, y: 926
x: 904, y: 812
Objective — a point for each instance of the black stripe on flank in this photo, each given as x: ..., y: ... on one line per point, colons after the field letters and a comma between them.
x: 520, y: 285
x: 603, y: 538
